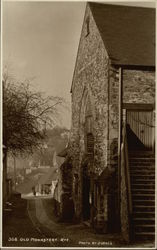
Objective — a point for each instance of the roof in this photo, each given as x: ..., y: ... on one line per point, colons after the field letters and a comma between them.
x: 33, y: 180
x: 38, y: 171
x: 63, y: 153
x: 128, y: 33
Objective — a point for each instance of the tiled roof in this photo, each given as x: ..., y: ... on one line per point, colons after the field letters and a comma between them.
x: 128, y: 33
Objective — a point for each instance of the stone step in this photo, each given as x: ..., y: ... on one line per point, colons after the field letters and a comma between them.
x: 144, y: 228
x: 144, y: 236
x: 137, y: 180
x: 142, y: 191
x: 143, y: 176
x: 142, y: 172
x: 141, y: 164
x: 143, y: 214
x: 142, y: 181
x: 141, y: 153
x: 137, y: 171
x: 147, y: 186
x: 143, y: 202
x: 143, y: 208
x: 144, y: 196
x: 144, y: 221
x: 141, y: 158
x: 140, y: 167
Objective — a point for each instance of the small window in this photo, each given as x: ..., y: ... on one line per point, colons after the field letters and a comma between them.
x: 87, y: 26
x: 76, y: 181
x: 89, y: 124
x: 90, y: 144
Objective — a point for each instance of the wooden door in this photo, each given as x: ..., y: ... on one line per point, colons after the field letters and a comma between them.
x: 86, y: 197
x: 141, y: 123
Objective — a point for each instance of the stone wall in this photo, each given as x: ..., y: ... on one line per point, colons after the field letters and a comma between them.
x: 90, y: 83
x: 138, y: 86
x: 113, y: 121
x: 113, y: 117
x: 63, y: 192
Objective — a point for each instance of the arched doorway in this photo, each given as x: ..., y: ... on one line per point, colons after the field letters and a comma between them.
x: 85, y: 194
x: 86, y: 178
x: 87, y: 139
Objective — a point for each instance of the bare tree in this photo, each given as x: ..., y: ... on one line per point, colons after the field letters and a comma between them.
x: 26, y: 115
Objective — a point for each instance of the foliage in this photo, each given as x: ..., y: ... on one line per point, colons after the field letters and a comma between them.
x: 52, y: 144
x: 26, y: 115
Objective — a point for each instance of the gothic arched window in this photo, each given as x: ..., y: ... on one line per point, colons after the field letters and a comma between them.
x: 89, y: 130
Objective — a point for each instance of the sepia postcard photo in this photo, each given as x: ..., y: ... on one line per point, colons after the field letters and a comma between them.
x: 78, y: 124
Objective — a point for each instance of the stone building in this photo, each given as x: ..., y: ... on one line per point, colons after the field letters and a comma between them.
x: 63, y: 190
x: 113, y: 85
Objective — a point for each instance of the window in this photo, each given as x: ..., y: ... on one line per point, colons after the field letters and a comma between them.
x: 87, y: 26
x: 90, y: 144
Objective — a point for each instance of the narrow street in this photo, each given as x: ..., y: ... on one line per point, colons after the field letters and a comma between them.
x: 18, y: 230
x: 41, y: 212
x: 66, y: 234
x: 33, y: 224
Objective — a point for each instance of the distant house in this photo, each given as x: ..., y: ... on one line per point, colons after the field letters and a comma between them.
x: 113, y: 97
x: 41, y: 180
x: 28, y: 170
x: 47, y: 182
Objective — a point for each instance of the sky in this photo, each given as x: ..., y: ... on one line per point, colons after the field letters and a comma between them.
x: 40, y: 41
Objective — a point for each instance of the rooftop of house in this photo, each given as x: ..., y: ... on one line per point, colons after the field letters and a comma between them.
x: 128, y: 33
x: 37, y: 177
x: 63, y: 153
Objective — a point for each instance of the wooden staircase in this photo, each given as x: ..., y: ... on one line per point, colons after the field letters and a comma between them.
x: 142, y: 175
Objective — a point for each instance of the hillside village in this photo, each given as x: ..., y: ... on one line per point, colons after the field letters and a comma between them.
x: 30, y: 171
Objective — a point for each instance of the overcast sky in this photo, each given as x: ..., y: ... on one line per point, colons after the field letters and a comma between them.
x: 40, y: 39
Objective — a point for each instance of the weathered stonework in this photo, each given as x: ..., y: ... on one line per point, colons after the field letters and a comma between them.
x: 90, y: 83
x: 138, y: 86
x: 113, y: 117
x: 95, y: 107
x: 63, y: 192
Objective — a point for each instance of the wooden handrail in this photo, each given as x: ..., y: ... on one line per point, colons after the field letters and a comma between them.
x: 127, y: 170
x: 126, y: 199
